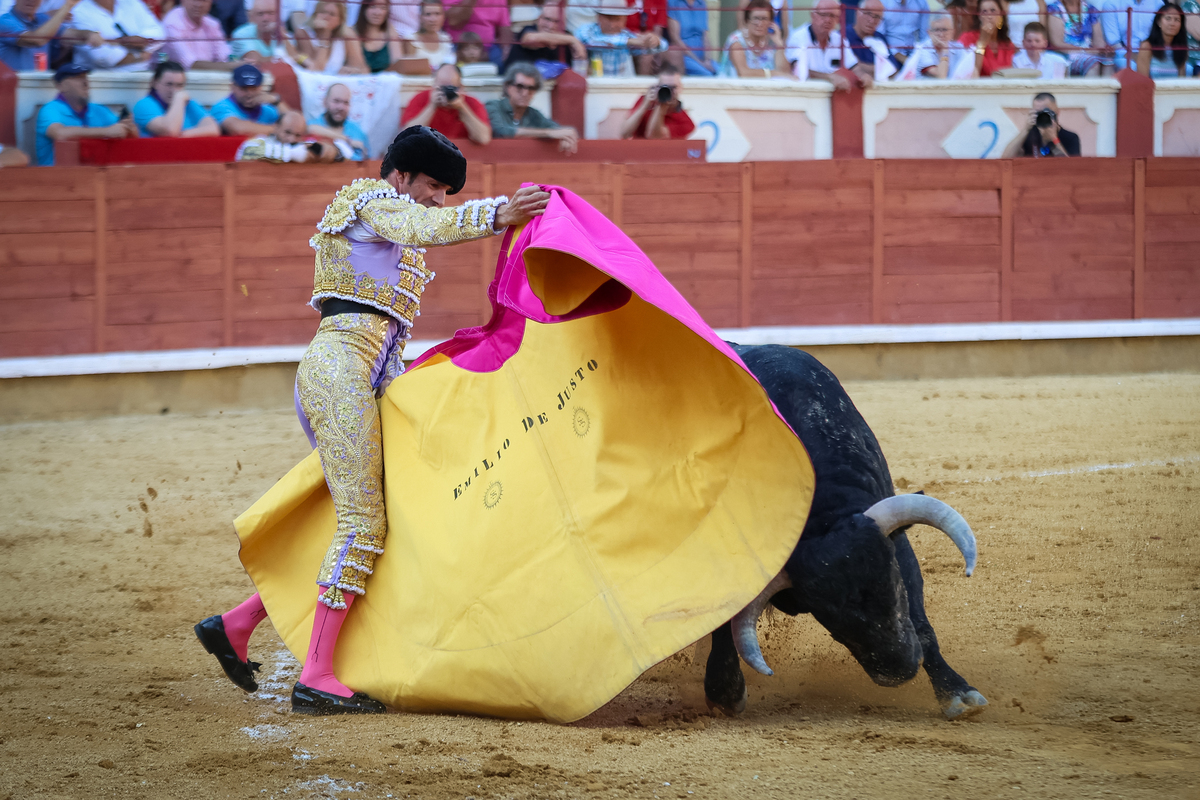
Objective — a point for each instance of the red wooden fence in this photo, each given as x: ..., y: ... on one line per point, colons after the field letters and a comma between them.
x: 142, y: 258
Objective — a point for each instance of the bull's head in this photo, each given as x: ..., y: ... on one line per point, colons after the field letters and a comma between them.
x: 850, y: 581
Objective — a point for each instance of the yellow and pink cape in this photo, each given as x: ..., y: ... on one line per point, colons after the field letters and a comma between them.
x: 577, y: 490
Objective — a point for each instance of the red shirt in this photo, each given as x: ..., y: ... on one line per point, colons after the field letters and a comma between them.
x: 998, y: 55
x: 678, y: 123
x: 445, y: 120
x: 655, y: 12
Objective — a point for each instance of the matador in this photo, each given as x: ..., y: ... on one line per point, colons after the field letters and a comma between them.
x: 370, y: 274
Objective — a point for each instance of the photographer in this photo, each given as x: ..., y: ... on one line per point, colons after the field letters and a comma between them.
x: 289, y: 144
x: 1042, y: 135
x: 658, y: 114
x: 448, y: 110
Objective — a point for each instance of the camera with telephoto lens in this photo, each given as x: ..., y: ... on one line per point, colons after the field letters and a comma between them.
x: 1045, y: 119
x: 666, y: 94
x: 450, y: 93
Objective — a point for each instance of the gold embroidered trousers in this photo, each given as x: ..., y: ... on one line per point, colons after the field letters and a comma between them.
x: 335, y: 392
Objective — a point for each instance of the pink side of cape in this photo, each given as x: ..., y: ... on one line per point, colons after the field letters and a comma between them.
x: 569, y: 225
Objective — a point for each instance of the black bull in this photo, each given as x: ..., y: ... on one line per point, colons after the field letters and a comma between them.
x: 861, y: 583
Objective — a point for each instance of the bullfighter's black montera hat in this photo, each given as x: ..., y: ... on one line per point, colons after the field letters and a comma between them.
x: 424, y: 150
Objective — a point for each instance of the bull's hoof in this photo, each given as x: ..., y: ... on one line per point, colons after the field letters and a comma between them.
x: 962, y: 705
x: 730, y: 709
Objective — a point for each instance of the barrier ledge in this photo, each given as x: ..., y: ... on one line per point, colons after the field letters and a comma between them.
x: 793, y: 336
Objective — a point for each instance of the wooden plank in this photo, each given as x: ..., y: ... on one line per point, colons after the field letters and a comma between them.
x: 790, y: 202
x: 1074, y: 286
x: 1065, y: 173
x: 166, y: 275
x: 816, y: 228
x: 1006, y: 240
x: 906, y: 173
x: 877, y: 230
x: 811, y: 175
x: 919, y: 289
x: 100, y: 282
x: 158, y: 307
x: 1170, y: 256
x: 710, y: 293
x: 24, y: 343
x: 746, y: 256
x: 257, y: 333
x: 942, y: 203
x: 936, y: 313
x: 163, y: 336
x: 48, y: 216
x: 228, y: 232
x: 179, y: 180
x: 200, y: 244
x: 1075, y: 254
x: 1159, y: 307
x: 61, y: 184
x: 616, y: 177
x: 31, y: 249
x: 266, y: 300
x: 450, y: 297
x: 701, y: 264
x: 584, y: 179
x: 686, y: 235
x: 444, y: 325
x: 1182, y: 283
x: 287, y: 271
x: 938, y: 259
x: 1172, y: 172
x: 1104, y: 198
x: 811, y: 291
x: 1139, y: 238
x: 845, y: 313
x: 1056, y: 310
x: 672, y: 208
x: 1173, y: 199
x: 258, y: 210
x: 969, y: 232
x: 276, y: 241
x: 721, y: 178
x: 269, y: 179
x: 1177, y: 228
x: 49, y: 314
x: 54, y: 281
x: 166, y: 213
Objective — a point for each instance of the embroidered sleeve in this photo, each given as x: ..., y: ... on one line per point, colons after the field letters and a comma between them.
x: 404, y: 222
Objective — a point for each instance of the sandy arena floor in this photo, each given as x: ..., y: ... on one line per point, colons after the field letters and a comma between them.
x: 1080, y: 626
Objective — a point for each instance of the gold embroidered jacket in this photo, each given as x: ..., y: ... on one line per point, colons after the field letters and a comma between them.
x: 372, y: 240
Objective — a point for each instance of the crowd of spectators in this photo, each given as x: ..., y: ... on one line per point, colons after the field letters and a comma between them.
x: 527, y: 41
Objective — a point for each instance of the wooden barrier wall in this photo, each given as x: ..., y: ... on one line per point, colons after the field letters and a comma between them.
x: 143, y: 258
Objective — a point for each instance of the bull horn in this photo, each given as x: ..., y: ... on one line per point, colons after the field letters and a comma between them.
x: 895, y: 512
x: 745, y: 624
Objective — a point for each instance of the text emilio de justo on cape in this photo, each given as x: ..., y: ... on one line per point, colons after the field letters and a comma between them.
x: 528, y: 424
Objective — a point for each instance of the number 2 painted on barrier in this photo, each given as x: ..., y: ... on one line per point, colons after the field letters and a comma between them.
x: 995, y: 136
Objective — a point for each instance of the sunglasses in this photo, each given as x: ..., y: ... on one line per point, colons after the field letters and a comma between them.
x: 525, y: 87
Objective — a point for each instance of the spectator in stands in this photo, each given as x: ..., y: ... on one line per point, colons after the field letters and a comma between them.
x: 25, y: 33
x: 130, y: 34
x: 230, y: 13
x: 1035, y: 56
x: 1164, y: 52
x: 1074, y: 29
x: 659, y: 113
x: 195, y: 39
x: 542, y: 42
x: 72, y: 116
x: 939, y: 56
x: 256, y: 39
x: 580, y: 14
x: 168, y: 111
x: 1043, y: 135
x: 289, y: 142
x: 327, y: 44
x: 875, y: 62
x: 487, y: 18
x: 990, y: 39
x: 447, y: 109
x: 12, y: 157
x: 650, y: 19
x: 687, y: 28
x: 473, y: 58
x: 1191, y: 24
x: 615, y: 45
x: 248, y: 111
x: 905, y: 24
x: 512, y: 117
x: 335, y: 124
x: 815, y: 50
x: 1115, y: 24
x: 381, y: 45
x: 431, y: 41
x: 755, y: 51
x: 964, y: 13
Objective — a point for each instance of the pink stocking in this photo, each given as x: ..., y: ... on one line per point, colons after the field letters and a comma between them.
x: 318, y: 666
x: 240, y: 622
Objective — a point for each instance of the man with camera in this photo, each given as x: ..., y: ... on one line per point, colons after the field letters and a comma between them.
x: 1042, y: 135
x: 658, y: 114
x: 448, y: 110
x: 290, y: 143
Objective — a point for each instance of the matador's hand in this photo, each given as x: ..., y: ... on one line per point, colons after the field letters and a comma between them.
x: 526, y: 203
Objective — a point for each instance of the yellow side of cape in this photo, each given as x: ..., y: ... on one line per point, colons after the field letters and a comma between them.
x: 614, y: 492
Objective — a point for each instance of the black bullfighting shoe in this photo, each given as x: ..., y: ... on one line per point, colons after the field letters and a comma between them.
x: 314, y: 702
x: 211, y: 633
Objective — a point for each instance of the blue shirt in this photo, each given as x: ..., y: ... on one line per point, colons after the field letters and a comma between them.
x: 693, y: 24
x: 150, y: 107
x: 901, y: 27
x: 352, y: 132
x: 613, y: 49
x: 245, y: 39
x: 57, y: 110
x: 267, y: 115
x: 11, y: 26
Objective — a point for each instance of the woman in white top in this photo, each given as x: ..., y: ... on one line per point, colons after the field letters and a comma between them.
x: 939, y: 56
x: 328, y: 45
x: 430, y: 41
